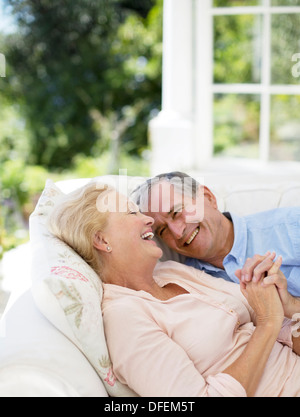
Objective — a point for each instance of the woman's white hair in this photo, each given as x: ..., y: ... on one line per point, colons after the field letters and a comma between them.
x: 76, y: 220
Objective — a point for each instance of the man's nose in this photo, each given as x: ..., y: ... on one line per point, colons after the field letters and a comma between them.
x: 176, y: 228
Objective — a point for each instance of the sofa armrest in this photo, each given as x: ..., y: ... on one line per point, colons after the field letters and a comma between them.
x: 28, y: 381
x: 37, y: 360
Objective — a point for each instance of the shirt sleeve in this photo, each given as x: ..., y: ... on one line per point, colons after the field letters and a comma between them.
x: 152, y: 364
x: 292, y: 274
x: 285, y: 334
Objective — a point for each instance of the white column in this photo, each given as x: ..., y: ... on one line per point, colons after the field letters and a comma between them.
x: 265, y: 111
x: 171, y: 133
x: 203, y: 141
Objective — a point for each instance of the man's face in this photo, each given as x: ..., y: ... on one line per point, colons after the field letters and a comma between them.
x: 189, y: 225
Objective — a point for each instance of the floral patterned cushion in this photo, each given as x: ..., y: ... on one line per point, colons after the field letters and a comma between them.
x: 69, y: 293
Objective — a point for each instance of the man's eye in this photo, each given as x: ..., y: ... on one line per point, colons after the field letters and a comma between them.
x: 133, y: 212
x: 161, y: 232
x: 177, y: 213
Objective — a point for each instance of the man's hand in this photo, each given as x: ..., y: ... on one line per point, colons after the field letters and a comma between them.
x: 254, y: 267
x: 291, y: 305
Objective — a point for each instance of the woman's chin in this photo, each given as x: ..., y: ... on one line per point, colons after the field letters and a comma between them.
x: 161, y: 253
x: 158, y: 253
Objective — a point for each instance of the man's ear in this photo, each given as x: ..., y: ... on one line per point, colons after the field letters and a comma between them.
x: 100, y: 242
x: 209, y: 195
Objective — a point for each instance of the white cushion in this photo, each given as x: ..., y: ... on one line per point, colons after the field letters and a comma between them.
x: 256, y: 196
x: 36, y: 360
x: 28, y: 381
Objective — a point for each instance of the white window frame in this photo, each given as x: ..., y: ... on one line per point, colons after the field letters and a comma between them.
x: 204, y: 14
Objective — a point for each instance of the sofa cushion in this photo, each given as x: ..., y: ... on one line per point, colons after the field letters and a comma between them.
x: 254, y: 197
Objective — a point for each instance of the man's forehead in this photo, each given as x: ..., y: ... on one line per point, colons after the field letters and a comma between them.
x: 165, y: 198
x: 162, y: 198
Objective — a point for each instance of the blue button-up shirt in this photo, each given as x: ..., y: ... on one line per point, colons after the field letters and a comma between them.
x: 276, y: 230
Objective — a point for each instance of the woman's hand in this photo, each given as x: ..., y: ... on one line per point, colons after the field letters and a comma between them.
x: 264, y: 300
x: 265, y: 290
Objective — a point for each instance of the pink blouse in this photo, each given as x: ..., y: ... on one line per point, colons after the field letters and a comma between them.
x: 179, y: 347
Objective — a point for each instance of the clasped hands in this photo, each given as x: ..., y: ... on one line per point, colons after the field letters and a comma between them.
x: 265, y: 288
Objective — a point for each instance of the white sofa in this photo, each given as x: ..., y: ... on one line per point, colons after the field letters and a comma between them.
x: 51, y: 338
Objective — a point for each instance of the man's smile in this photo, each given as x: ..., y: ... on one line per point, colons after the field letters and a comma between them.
x: 192, y: 237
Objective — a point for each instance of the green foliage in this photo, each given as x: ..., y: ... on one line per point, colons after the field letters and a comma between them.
x: 229, y: 3
x: 20, y: 187
x: 88, y: 167
x: 236, y: 126
x: 236, y: 58
x: 74, y: 57
x: 83, y: 78
x: 285, y: 43
x: 12, y: 175
x: 14, y: 137
x: 9, y: 240
x: 20, y: 182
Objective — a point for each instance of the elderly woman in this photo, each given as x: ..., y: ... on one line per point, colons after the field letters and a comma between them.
x: 173, y: 330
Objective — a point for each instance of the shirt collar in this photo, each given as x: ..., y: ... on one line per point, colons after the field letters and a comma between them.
x: 238, y: 250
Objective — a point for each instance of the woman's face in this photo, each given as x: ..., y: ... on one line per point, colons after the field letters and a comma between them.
x: 128, y: 231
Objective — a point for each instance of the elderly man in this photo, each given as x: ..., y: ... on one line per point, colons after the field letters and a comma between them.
x: 187, y: 219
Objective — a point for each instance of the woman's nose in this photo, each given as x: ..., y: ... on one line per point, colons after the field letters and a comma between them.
x: 148, y: 220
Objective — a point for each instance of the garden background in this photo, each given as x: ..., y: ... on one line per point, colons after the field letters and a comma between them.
x: 83, y: 79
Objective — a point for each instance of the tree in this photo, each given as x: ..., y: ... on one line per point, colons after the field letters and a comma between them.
x: 72, y: 60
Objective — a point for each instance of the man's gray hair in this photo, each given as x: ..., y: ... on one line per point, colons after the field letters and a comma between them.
x: 182, y: 183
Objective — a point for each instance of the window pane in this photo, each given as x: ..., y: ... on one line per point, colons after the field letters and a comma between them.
x: 285, y: 3
x: 230, y: 3
x: 236, y: 125
x: 285, y: 128
x: 237, y: 49
x: 285, y: 46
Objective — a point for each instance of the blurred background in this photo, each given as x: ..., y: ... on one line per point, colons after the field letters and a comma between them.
x: 83, y: 83
x: 83, y: 79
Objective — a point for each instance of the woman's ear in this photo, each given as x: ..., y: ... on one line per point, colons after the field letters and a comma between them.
x: 100, y: 242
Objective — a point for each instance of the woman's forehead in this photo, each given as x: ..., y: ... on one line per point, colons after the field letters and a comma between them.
x: 113, y: 202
